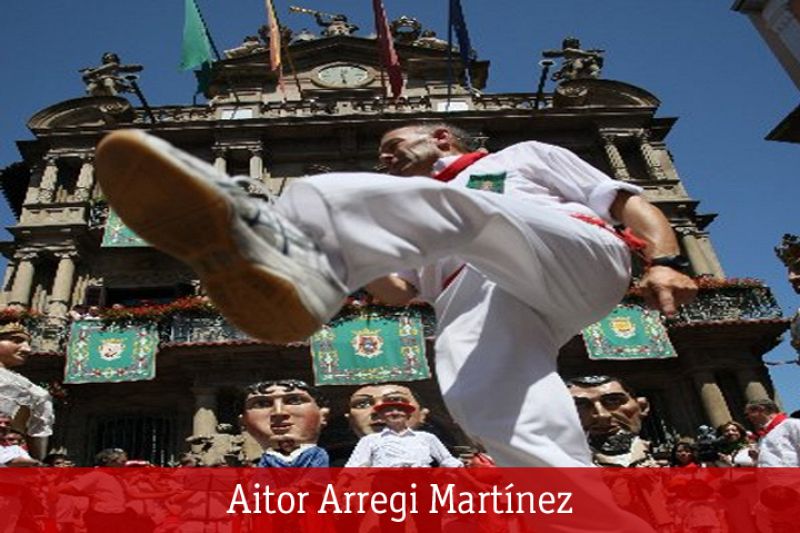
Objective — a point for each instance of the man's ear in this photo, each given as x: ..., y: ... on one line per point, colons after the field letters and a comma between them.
x: 324, y: 412
x: 443, y: 138
x: 644, y: 405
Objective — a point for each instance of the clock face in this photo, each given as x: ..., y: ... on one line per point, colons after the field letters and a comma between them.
x: 343, y: 76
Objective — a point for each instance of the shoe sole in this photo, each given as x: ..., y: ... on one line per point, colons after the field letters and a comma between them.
x: 191, y: 220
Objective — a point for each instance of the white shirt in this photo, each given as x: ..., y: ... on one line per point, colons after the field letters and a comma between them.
x: 9, y: 453
x: 408, y: 448
x: 544, y: 172
x: 17, y: 391
x: 781, y: 446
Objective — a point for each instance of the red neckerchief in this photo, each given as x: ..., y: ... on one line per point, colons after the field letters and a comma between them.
x: 780, y: 417
x: 454, y: 169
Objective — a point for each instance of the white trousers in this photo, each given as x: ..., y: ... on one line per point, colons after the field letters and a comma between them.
x: 537, y: 276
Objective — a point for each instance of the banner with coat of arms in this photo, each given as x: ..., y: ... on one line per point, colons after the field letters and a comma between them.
x: 370, y: 349
x: 112, y: 354
x: 118, y: 235
x: 629, y: 332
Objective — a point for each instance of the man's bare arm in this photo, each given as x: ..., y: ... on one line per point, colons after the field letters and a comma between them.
x: 662, y: 287
x: 392, y: 290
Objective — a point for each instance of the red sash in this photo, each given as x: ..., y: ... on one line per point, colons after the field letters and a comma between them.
x: 454, y: 169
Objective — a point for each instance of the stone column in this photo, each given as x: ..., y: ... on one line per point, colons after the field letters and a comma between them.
x: 219, y: 158
x: 751, y: 384
x: 47, y: 187
x: 62, y: 285
x: 693, y: 251
x: 256, y: 163
x: 714, y: 403
x: 10, y: 269
x: 614, y: 157
x: 205, y: 411
x: 650, y: 156
x: 23, y: 281
x: 83, y: 188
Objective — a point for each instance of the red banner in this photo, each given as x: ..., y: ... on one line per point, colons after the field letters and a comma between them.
x: 235, y: 500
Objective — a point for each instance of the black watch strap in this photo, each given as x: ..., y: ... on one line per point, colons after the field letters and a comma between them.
x: 676, y: 262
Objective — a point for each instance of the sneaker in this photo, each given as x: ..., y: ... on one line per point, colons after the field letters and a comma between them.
x: 263, y: 273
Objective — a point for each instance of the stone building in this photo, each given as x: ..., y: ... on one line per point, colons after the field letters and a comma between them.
x: 778, y: 23
x: 329, y: 115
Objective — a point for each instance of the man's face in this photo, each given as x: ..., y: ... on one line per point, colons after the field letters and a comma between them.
x: 14, y: 349
x: 607, y: 409
x: 5, y: 421
x: 409, y: 152
x: 757, y: 416
x: 363, y: 418
x: 13, y: 438
x: 280, y: 415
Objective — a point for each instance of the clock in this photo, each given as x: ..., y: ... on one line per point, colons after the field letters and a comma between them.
x: 343, y: 76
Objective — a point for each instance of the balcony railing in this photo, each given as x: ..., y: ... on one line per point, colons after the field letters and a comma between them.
x: 731, y: 303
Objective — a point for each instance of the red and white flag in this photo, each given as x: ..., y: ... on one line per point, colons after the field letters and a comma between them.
x: 388, y: 55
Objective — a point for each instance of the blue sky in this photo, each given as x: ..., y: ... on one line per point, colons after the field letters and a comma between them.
x: 706, y: 63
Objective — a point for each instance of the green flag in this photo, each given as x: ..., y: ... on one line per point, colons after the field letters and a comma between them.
x: 196, y: 46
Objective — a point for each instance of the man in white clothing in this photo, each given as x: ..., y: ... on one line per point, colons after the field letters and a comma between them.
x: 397, y: 445
x: 513, y: 272
x: 779, y: 435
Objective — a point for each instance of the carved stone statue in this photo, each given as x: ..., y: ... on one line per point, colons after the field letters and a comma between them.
x: 405, y: 30
x: 331, y: 24
x: 789, y: 253
x: 250, y: 45
x: 109, y: 78
x: 428, y: 39
x: 576, y: 63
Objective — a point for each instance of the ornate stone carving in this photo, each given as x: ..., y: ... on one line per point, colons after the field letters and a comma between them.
x: 576, y: 63
x: 107, y: 79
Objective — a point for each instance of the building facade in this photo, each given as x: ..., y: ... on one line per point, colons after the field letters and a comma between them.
x: 327, y: 114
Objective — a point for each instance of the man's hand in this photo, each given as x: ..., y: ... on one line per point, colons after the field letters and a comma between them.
x: 666, y: 289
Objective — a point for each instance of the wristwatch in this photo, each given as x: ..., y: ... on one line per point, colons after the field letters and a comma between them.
x: 675, y: 262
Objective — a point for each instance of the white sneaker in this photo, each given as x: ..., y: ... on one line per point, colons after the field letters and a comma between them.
x: 263, y: 273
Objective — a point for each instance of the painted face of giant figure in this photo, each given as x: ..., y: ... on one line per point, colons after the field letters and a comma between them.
x: 284, y: 414
x: 609, y: 414
x: 364, y: 420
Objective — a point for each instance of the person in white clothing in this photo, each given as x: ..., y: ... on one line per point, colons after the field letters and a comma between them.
x: 397, y: 445
x: 779, y: 435
x: 526, y: 266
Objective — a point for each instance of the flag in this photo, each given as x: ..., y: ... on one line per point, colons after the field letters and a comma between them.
x: 388, y: 55
x: 196, y: 45
x: 459, y: 25
x: 274, y: 37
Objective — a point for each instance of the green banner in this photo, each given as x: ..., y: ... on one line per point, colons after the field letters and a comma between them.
x: 97, y: 354
x: 370, y: 349
x: 118, y: 235
x: 629, y: 332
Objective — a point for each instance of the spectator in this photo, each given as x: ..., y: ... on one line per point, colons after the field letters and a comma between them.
x: 683, y: 455
x: 399, y: 445
x: 286, y: 418
x: 58, y: 460
x: 779, y: 435
x: 107, y: 502
x: 734, y: 447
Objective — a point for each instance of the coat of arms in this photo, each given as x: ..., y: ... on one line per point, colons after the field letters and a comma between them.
x: 111, y: 349
x: 623, y: 327
x: 368, y: 343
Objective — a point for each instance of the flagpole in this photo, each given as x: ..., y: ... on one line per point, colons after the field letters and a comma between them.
x: 208, y: 34
x: 449, y: 52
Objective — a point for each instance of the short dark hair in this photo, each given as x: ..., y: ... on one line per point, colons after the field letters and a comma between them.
x: 104, y: 457
x: 596, y: 380
x: 763, y: 403
x: 261, y: 387
x: 51, y: 458
x: 462, y: 140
